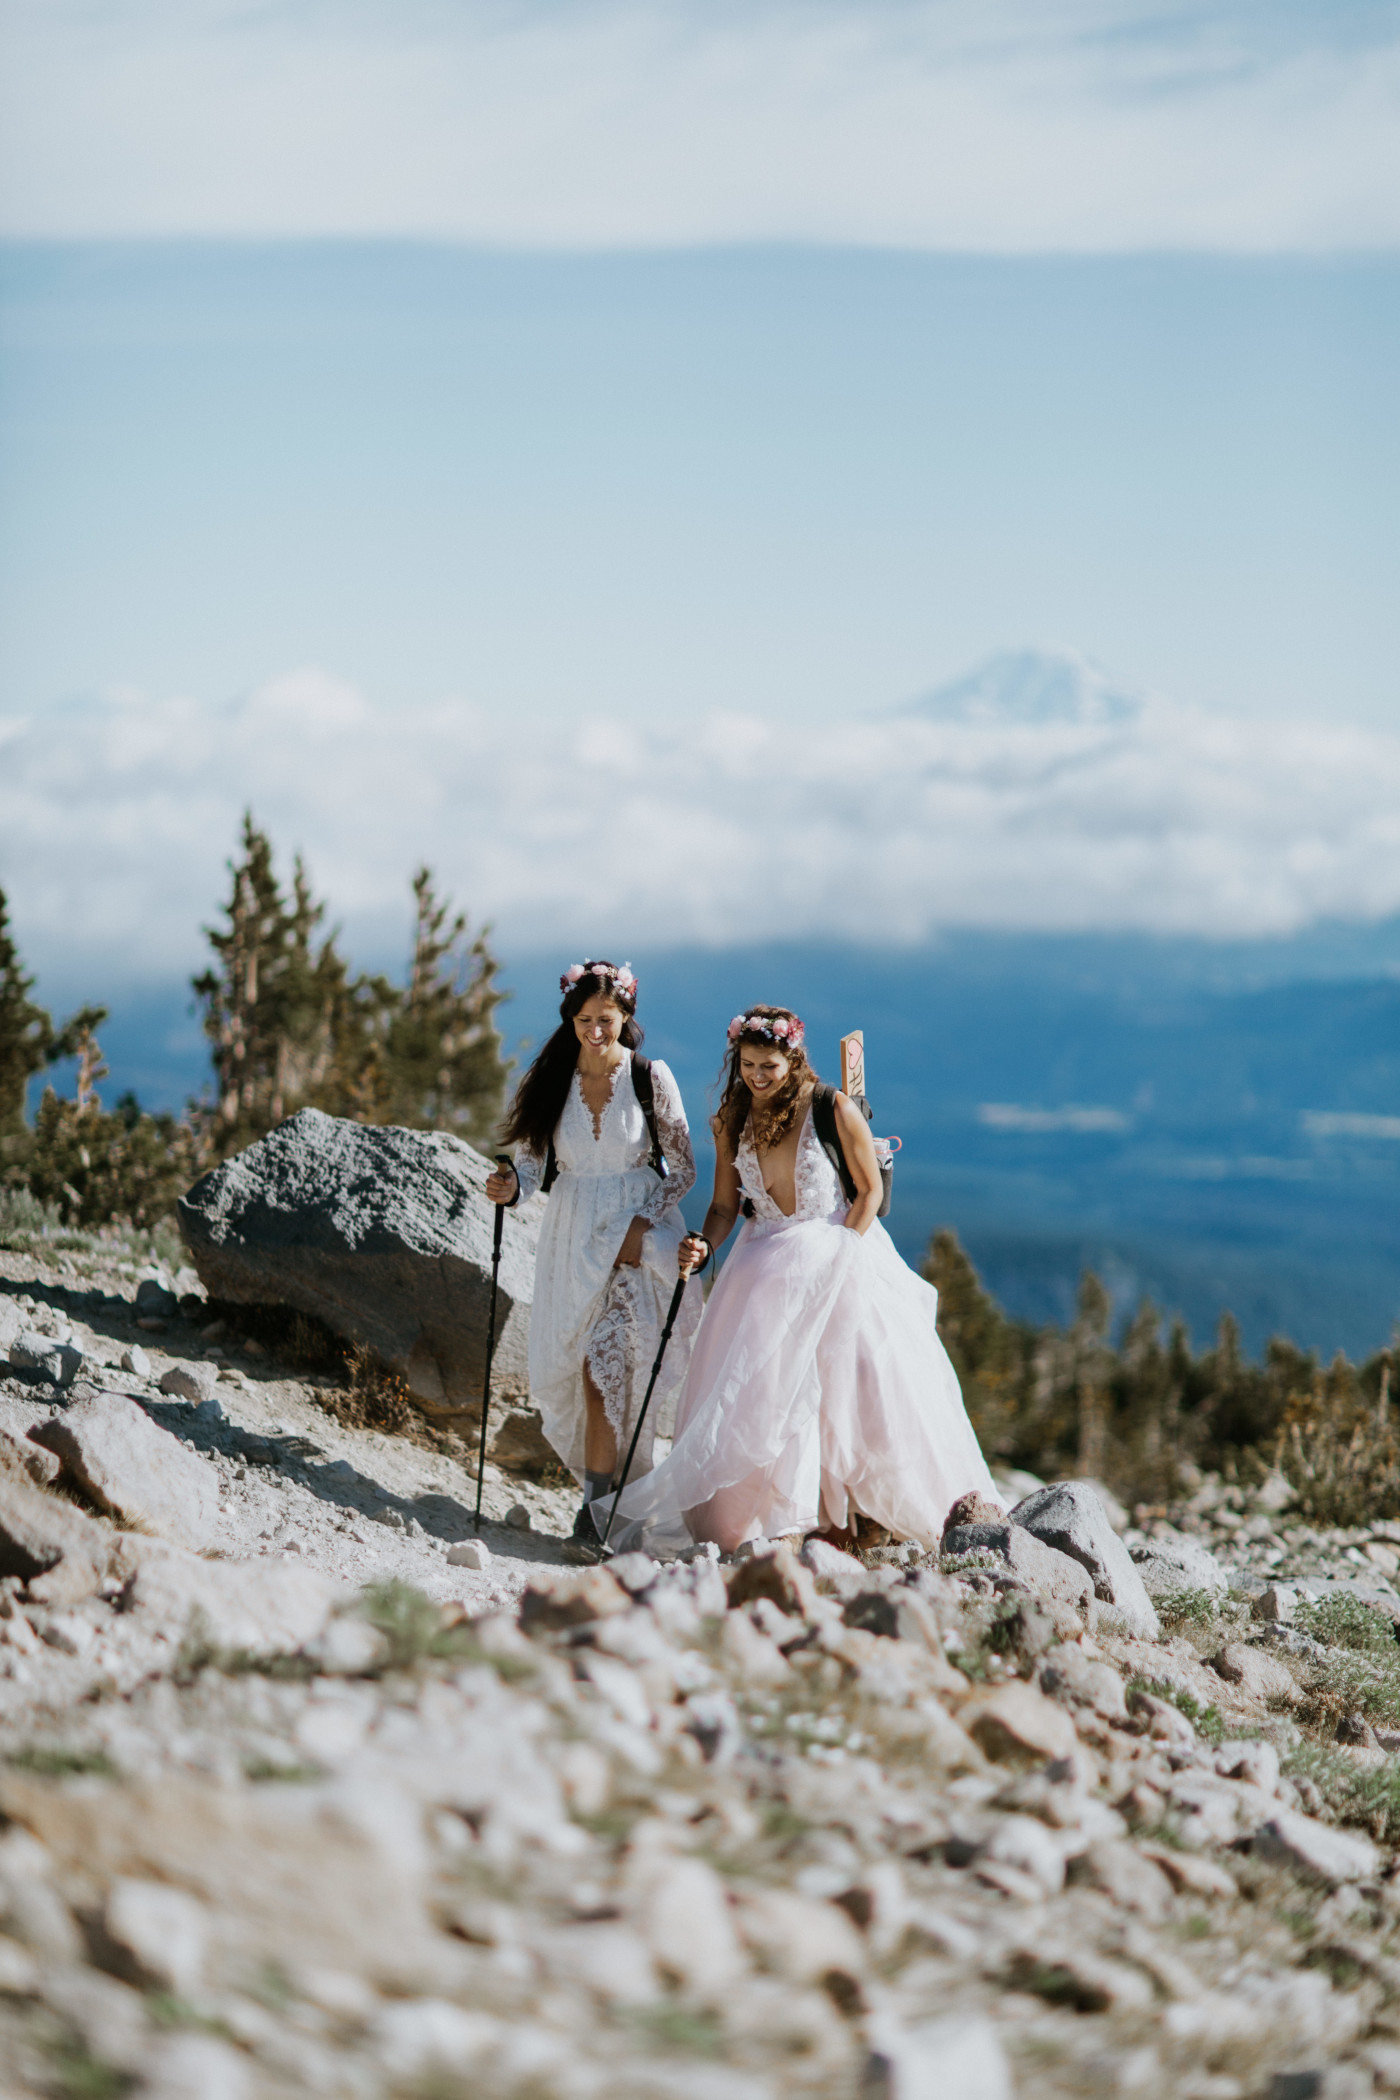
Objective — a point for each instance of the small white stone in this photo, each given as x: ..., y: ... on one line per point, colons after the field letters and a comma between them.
x: 136, y: 1362
x: 421, y: 2035
x: 162, y: 1928
x: 953, y: 2056
x: 196, y: 2067
x: 469, y: 1553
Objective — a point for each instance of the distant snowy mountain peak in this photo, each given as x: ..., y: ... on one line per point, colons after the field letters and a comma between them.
x: 1030, y: 688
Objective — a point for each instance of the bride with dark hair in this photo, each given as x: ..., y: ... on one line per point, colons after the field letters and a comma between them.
x: 819, y: 1396
x: 603, y: 1131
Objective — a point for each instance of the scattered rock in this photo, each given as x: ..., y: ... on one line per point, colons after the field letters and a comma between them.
x: 135, y: 1361
x: 469, y: 1553
x: 959, y: 2056
x: 1278, y: 1602
x: 12, y: 1322
x: 1134, y: 1881
x: 1260, y: 1675
x: 1042, y: 1568
x: 161, y: 1932
x: 20, y: 1453
x: 1356, y: 1730
x: 382, y: 1233
x: 133, y: 1470
x: 155, y: 1299
x: 1315, y: 1851
x: 1071, y: 1518
x: 41, y: 1359
x: 1014, y: 1722
x: 1170, y: 1565
x: 552, y: 1602
x: 223, y: 1609
x: 971, y: 1509
x: 197, y: 1382
x: 50, y: 1545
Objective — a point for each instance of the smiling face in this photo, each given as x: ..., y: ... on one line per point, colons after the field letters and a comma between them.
x: 763, y: 1067
x: 598, y: 1023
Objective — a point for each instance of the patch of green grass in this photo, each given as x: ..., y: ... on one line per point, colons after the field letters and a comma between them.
x: 78, y: 2075
x: 1347, y: 1681
x: 681, y: 2027
x: 1341, y: 1621
x: 412, y: 1627
x: 164, y: 2009
x: 1183, y: 1608
x: 1368, y: 1795
x: 51, y: 1762
x: 782, y: 1825
x: 1204, y: 1719
x: 261, y: 1769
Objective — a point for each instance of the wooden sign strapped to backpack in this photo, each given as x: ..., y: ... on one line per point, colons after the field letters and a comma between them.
x: 829, y: 1130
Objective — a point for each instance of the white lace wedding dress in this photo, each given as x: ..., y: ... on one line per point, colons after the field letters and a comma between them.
x: 818, y: 1386
x: 584, y: 1309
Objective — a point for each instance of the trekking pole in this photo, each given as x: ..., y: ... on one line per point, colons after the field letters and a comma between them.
x: 677, y: 1294
x: 497, y: 1229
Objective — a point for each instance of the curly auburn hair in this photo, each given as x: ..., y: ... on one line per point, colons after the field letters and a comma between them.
x: 775, y: 1119
x: 541, y: 1095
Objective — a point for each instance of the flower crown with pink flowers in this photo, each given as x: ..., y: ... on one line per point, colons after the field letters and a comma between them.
x: 625, y: 978
x: 776, y: 1027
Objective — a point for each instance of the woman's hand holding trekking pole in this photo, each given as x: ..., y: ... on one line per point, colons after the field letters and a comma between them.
x: 501, y: 1186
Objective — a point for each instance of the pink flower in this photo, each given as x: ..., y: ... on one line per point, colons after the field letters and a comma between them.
x: 736, y: 1028
x: 780, y: 1028
x: 573, y: 973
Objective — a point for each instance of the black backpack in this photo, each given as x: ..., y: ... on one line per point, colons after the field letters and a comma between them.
x: 829, y: 1138
x: 646, y: 1100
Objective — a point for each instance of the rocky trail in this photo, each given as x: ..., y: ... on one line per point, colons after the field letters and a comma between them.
x: 294, y: 1801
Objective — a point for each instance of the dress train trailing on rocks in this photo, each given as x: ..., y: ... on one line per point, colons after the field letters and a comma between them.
x: 818, y: 1386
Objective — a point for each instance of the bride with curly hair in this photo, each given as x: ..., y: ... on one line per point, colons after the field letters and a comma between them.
x: 819, y: 1392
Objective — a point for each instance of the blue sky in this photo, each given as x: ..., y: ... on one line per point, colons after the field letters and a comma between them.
x: 426, y: 421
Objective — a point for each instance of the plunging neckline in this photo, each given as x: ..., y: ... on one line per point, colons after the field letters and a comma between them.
x: 796, y: 1159
x: 598, y: 1120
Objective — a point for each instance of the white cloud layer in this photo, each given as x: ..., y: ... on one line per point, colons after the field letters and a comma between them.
x: 992, y: 125
x: 117, y: 813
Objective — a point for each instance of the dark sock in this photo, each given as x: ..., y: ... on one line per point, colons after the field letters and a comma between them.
x: 596, y: 1484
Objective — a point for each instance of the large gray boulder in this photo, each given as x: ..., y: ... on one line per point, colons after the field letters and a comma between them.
x: 382, y: 1233
x: 1070, y: 1517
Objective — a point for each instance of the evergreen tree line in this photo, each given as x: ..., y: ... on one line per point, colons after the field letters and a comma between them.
x: 289, y: 1027
x: 1147, y: 1415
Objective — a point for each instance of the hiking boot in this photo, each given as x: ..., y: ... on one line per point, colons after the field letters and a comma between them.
x: 583, y: 1542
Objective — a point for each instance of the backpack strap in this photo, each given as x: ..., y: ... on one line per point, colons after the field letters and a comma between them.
x: 829, y: 1136
x: 644, y: 1088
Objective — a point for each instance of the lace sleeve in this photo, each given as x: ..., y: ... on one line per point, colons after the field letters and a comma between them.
x: 530, y: 1169
x: 674, y: 1133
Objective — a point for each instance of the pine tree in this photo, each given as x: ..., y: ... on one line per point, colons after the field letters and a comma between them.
x: 28, y: 1041
x: 26, y: 1031
x: 291, y: 1028
x: 442, y: 1053
x: 270, y: 1004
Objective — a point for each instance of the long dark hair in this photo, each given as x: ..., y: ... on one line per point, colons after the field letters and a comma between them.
x: 541, y: 1094
x: 777, y: 1116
